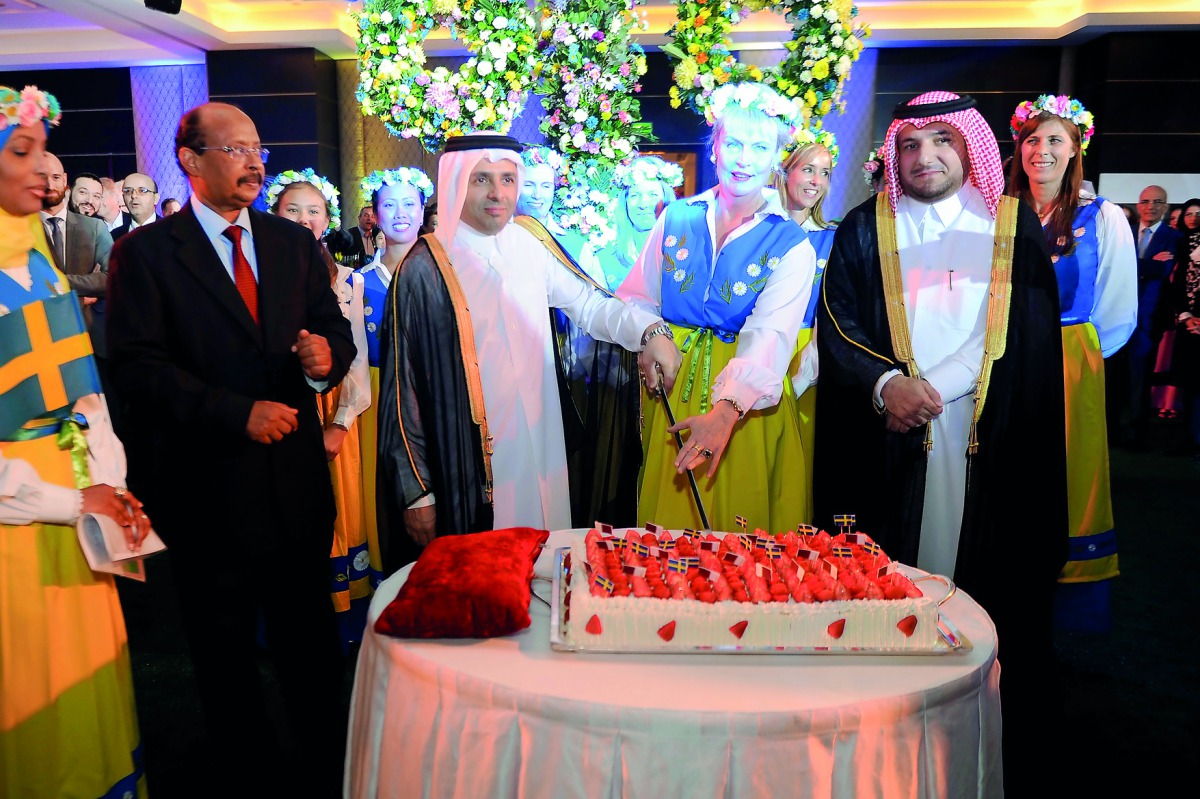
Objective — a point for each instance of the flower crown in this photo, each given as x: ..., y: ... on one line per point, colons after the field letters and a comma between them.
x: 648, y: 168
x: 873, y: 164
x: 327, y: 189
x: 547, y: 156
x: 806, y: 136
x: 756, y: 96
x: 396, y: 177
x: 1060, y: 105
x: 27, y: 106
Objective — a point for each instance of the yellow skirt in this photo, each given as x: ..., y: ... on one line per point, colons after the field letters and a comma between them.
x: 368, y: 436
x: 349, y: 552
x: 68, y: 724
x: 806, y: 408
x: 761, y: 474
x: 1089, y: 500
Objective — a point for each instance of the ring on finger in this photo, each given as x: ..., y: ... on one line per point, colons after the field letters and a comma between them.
x: 118, y: 492
x: 706, y: 453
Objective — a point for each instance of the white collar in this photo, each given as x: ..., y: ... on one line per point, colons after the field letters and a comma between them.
x: 61, y: 214
x: 214, y: 224
x: 945, y: 210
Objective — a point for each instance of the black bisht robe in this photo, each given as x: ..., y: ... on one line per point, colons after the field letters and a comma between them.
x: 1014, y: 531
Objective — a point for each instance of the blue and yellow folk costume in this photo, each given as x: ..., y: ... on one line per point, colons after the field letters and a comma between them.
x: 375, y: 288
x: 707, y: 297
x: 1093, y: 552
x: 68, y: 725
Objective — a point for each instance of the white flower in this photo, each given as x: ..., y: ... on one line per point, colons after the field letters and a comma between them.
x: 831, y: 14
x: 386, y: 66
x: 836, y: 27
x: 471, y: 104
x: 386, y: 17
x: 681, y: 254
x: 821, y: 264
x: 817, y: 11
x: 579, y: 140
x: 739, y: 288
x: 806, y: 76
x: 483, y: 68
x: 500, y: 22
x: 670, y: 241
x: 680, y: 275
x: 753, y: 270
x: 772, y: 263
x: 836, y: 41
x: 383, y: 38
x: 580, y: 115
x: 479, y: 15
x: 500, y: 64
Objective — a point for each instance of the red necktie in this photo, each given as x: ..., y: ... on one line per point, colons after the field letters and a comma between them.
x: 242, y: 274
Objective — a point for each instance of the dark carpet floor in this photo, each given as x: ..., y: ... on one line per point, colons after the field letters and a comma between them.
x: 1132, y: 721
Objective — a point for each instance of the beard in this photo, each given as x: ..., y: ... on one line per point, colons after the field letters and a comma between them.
x: 52, y: 198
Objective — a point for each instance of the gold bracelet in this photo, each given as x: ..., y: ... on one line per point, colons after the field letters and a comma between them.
x: 737, y: 406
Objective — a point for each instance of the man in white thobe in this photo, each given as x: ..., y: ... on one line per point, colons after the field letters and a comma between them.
x: 475, y: 440
x: 939, y: 419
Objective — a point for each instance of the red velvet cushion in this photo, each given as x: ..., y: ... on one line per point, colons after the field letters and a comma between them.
x: 467, y: 586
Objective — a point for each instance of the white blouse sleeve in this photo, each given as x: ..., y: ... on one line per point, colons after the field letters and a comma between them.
x: 767, y: 341
x: 1114, y: 305
x: 356, y: 385
x: 26, y: 498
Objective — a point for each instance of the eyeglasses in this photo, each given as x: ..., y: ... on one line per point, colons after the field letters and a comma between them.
x: 1152, y: 202
x: 241, y: 152
x: 139, y: 190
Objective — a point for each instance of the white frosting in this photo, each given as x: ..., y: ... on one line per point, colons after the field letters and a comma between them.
x: 633, y: 623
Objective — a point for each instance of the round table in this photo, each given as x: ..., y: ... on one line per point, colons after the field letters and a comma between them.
x: 510, y: 717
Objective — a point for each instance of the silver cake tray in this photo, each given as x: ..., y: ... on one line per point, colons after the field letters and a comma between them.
x: 950, y: 640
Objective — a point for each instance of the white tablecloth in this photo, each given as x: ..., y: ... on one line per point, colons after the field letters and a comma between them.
x: 510, y: 717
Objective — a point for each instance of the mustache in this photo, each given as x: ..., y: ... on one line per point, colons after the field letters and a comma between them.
x: 253, y: 179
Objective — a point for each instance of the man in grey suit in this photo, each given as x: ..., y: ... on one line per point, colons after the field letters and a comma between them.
x: 81, y: 246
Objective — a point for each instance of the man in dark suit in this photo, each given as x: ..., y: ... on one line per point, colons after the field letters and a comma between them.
x: 140, y: 193
x: 356, y: 246
x: 1156, y: 242
x: 222, y: 327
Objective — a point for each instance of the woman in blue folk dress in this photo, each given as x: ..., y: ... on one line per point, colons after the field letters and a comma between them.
x: 732, y: 274
x: 803, y: 186
x: 1094, y: 258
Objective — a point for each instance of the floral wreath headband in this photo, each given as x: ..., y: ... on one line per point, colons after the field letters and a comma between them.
x: 327, y: 190
x: 546, y: 156
x: 806, y: 136
x: 27, y: 106
x: 872, y: 165
x: 648, y: 168
x: 757, y: 97
x: 396, y: 177
x: 1060, y: 105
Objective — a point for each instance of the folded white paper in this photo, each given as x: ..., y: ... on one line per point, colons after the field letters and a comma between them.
x: 103, y: 543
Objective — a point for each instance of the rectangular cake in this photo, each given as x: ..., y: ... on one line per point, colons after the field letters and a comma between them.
x: 644, y: 591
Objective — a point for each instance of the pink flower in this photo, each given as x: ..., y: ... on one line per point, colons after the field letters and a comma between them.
x: 624, y: 70
x: 30, y: 110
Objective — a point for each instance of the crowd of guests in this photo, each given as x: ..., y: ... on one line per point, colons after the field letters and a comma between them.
x: 327, y: 400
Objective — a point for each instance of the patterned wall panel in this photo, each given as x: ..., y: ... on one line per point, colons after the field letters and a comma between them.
x: 161, y: 95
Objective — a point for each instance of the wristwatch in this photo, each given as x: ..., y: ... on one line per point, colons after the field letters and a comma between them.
x: 661, y: 329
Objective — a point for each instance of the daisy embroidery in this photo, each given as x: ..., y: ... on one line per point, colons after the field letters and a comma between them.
x: 680, y: 275
x: 739, y: 288
x: 772, y: 263
x: 681, y: 254
x: 1079, y: 232
x: 753, y: 270
x: 670, y: 241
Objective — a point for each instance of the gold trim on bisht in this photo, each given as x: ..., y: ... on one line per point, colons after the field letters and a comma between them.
x: 556, y: 249
x: 893, y: 293
x: 466, y: 343
x: 999, y: 302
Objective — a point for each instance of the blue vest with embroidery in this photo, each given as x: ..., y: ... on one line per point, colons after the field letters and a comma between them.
x: 1077, y: 272
x: 698, y: 293
x: 374, y: 296
x: 822, y: 242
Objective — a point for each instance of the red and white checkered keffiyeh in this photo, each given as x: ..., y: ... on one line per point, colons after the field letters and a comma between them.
x: 987, y: 173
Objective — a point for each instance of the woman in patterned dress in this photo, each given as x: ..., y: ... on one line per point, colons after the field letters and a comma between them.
x: 732, y: 275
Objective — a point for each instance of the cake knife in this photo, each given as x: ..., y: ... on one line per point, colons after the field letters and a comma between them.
x: 662, y: 393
